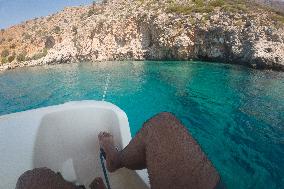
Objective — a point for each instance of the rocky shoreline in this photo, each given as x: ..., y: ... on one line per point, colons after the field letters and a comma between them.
x: 149, y: 30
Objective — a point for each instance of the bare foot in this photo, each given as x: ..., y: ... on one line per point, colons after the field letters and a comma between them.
x: 112, y: 155
x: 98, y: 183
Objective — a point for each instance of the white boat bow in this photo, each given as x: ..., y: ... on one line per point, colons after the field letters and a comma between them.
x: 64, y: 138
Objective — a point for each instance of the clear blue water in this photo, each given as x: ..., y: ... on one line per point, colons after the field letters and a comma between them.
x: 235, y: 113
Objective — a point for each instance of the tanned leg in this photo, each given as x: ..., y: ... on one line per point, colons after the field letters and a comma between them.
x: 43, y: 178
x: 173, y: 158
x: 133, y: 156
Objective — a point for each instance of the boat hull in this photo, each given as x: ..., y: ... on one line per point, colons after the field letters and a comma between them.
x: 64, y: 139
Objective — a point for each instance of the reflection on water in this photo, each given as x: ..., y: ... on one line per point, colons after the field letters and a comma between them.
x: 235, y: 113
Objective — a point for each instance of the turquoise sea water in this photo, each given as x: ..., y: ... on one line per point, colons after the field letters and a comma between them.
x: 235, y: 113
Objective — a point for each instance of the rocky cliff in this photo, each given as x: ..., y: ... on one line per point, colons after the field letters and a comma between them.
x: 230, y: 31
x: 278, y: 5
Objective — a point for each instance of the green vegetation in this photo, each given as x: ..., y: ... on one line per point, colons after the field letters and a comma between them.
x: 278, y: 18
x: 233, y: 6
x: 40, y: 33
x: 203, y: 6
x: 192, y: 20
x: 239, y: 23
x: 49, y: 18
x: 199, y: 3
x: 205, y: 9
x: 5, y: 53
x: 4, y: 60
x: 56, y: 29
x: 22, y: 56
x: 40, y: 55
x: 91, y: 12
x: 182, y: 9
x: 13, y: 46
x: 216, y: 3
x: 12, y: 57
x: 34, y: 27
x: 242, y: 7
x: 197, y: 6
x: 74, y: 29
x: 229, y: 8
x: 94, y: 11
x: 83, y: 16
x: 26, y: 36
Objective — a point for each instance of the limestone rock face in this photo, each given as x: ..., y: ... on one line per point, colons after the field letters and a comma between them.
x: 146, y: 30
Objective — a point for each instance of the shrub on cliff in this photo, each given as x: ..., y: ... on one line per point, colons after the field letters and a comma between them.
x: 95, y: 11
x: 203, y: 6
x: 26, y: 36
x: 12, y: 57
x: 179, y: 9
x: 13, y: 46
x: 217, y: 3
x: 5, y: 53
x: 40, y: 54
x: 74, y: 29
x: 198, y: 6
x: 189, y: 9
x: 4, y: 60
x: 56, y: 29
x: 199, y: 3
x: 21, y: 57
x: 278, y: 18
x: 91, y: 12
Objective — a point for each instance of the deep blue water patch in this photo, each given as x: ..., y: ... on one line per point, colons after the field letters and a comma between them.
x: 235, y: 113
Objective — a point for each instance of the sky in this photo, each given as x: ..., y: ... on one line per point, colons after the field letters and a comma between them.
x: 16, y: 11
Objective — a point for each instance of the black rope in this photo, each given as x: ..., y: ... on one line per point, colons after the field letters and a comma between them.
x: 102, y: 157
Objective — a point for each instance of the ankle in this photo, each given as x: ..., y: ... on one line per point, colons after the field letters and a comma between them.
x: 115, y: 162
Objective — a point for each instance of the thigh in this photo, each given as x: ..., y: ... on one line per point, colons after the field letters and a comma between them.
x: 173, y: 158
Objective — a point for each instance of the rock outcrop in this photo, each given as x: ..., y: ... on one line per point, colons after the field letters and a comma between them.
x: 224, y: 31
x: 278, y: 5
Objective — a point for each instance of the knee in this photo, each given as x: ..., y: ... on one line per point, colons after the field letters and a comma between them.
x: 163, y: 118
x: 166, y: 115
x: 35, y: 178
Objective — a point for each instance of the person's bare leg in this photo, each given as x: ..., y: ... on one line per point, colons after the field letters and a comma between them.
x: 132, y: 156
x: 112, y: 154
x: 172, y: 156
x: 43, y: 178
x: 174, y: 159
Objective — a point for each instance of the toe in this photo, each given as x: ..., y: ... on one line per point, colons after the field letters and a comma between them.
x: 106, y: 134
x: 101, y: 135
